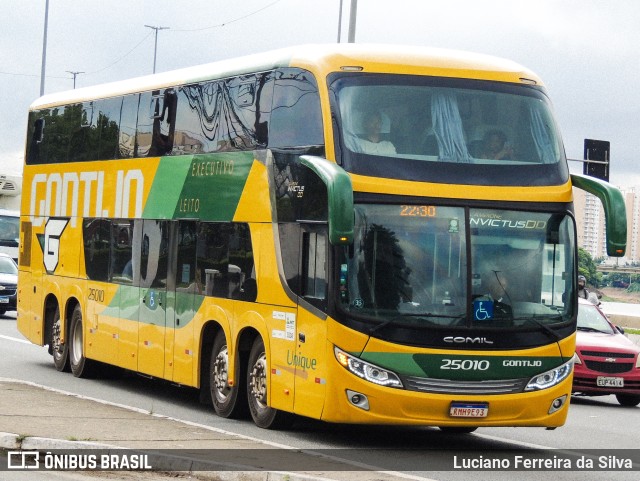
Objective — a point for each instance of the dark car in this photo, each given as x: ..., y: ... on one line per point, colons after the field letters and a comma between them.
x: 607, y: 362
x: 8, y: 283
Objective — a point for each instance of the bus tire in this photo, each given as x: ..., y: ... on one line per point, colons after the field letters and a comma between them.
x: 228, y: 400
x: 59, y: 349
x: 257, y: 369
x: 80, y: 365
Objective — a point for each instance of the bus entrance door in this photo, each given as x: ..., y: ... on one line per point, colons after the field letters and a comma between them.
x: 154, y: 251
x: 311, y: 335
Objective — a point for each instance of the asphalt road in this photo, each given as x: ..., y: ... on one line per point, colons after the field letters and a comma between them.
x: 598, y: 423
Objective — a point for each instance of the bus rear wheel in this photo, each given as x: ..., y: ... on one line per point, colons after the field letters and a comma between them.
x: 227, y: 398
x: 80, y: 365
x: 263, y: 415
x: 59, y: 349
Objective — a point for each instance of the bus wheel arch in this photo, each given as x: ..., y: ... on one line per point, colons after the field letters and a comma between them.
x: 263, y: 415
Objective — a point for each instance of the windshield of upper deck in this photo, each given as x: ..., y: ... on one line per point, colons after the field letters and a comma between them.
x: 446, y: 121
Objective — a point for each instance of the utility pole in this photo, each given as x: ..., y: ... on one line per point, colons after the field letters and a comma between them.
x: 75, y: 74
x: 44, y: 47
x: 352, y: 21
x: 155, y: 49
x: 340, y: 21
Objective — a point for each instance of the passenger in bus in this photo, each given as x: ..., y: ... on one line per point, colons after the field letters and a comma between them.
x: 495, y: 146
x: 371, y: 142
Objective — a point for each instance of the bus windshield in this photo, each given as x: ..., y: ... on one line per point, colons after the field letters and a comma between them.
x: 420, y: 121
x: 426, y: 265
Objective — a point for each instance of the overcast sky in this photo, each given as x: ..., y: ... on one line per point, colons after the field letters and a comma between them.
x: 586, y: 51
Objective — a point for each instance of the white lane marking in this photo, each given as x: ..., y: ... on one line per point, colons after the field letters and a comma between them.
x: 15, y: 339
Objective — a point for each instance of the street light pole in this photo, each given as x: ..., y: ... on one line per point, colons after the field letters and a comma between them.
x: 352, y: 21
x: 155, y: 49
x: 44, y: 47
x: 75, y: 74
x: 340, y: 21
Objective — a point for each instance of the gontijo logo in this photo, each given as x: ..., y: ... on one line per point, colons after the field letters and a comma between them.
x: 70, y: 194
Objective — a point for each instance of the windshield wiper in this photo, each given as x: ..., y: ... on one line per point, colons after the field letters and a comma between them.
x: 591, y: 329
x: 546, y: 328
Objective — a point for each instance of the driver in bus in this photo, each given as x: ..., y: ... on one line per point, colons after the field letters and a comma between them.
x: 371, y: 142
x: 495, y: 146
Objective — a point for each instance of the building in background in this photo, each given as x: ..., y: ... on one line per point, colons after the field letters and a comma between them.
x: 590, y: 223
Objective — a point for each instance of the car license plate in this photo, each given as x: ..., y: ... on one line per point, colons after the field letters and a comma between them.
x: 468, y: 410
x: 602, y: 381
x: 4, y: 300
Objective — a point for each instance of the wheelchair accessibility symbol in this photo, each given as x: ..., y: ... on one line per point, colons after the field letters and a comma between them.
x: 482, y: 310
x: 152, y: 301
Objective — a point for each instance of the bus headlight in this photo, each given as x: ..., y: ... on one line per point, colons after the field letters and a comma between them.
x: 550, y: 378
x: 366, y: 370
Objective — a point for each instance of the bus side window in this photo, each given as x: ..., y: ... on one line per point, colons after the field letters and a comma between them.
x: 121, y: 256
x: 242, y: 282
x: 163, y: 113
x: 224, y: 263
x: 314, y: 262
x: 127, y: 132
x: 186, y: 272
x: 96, y: 236
x: 212, y: 262
x: 296, y: 118
x: 36, y: 129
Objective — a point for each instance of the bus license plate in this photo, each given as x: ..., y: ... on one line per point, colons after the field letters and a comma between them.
x: 602, y: 381
x: 469, y: 410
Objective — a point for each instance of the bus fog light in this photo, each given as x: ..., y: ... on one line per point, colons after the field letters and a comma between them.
x: 557, y: 404
x: 358, y: 399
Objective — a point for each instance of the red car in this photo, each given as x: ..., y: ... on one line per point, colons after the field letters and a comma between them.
x: 606, y: 361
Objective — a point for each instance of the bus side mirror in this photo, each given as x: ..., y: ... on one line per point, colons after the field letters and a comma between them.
x: 614, y: 211
x: 339, y: 196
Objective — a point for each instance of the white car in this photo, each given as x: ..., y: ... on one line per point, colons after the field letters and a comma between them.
x: 8, y: 283
x: 9, y: 232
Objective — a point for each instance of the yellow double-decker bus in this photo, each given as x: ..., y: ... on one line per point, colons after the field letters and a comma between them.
x: 357, y: 234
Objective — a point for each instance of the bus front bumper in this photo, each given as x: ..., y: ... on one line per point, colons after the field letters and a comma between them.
x: 355, y: 400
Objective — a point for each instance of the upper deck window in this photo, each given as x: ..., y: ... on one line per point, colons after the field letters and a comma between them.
x: 485, y: 133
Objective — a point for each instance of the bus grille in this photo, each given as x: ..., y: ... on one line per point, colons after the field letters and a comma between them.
x: 446, y: 386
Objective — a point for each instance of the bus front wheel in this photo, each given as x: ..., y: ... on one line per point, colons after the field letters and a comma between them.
x: 80, y: 365
x: 59, y: 349
x: 227, y: 398
x: 263, y: 415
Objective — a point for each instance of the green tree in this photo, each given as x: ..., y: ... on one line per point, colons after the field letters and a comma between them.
x: 587, y: 268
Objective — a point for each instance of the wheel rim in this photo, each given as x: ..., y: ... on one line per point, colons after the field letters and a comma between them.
x: 258, y: 381
x: 55, y: 339
x: 76, y: 342
x: 221, y: 375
